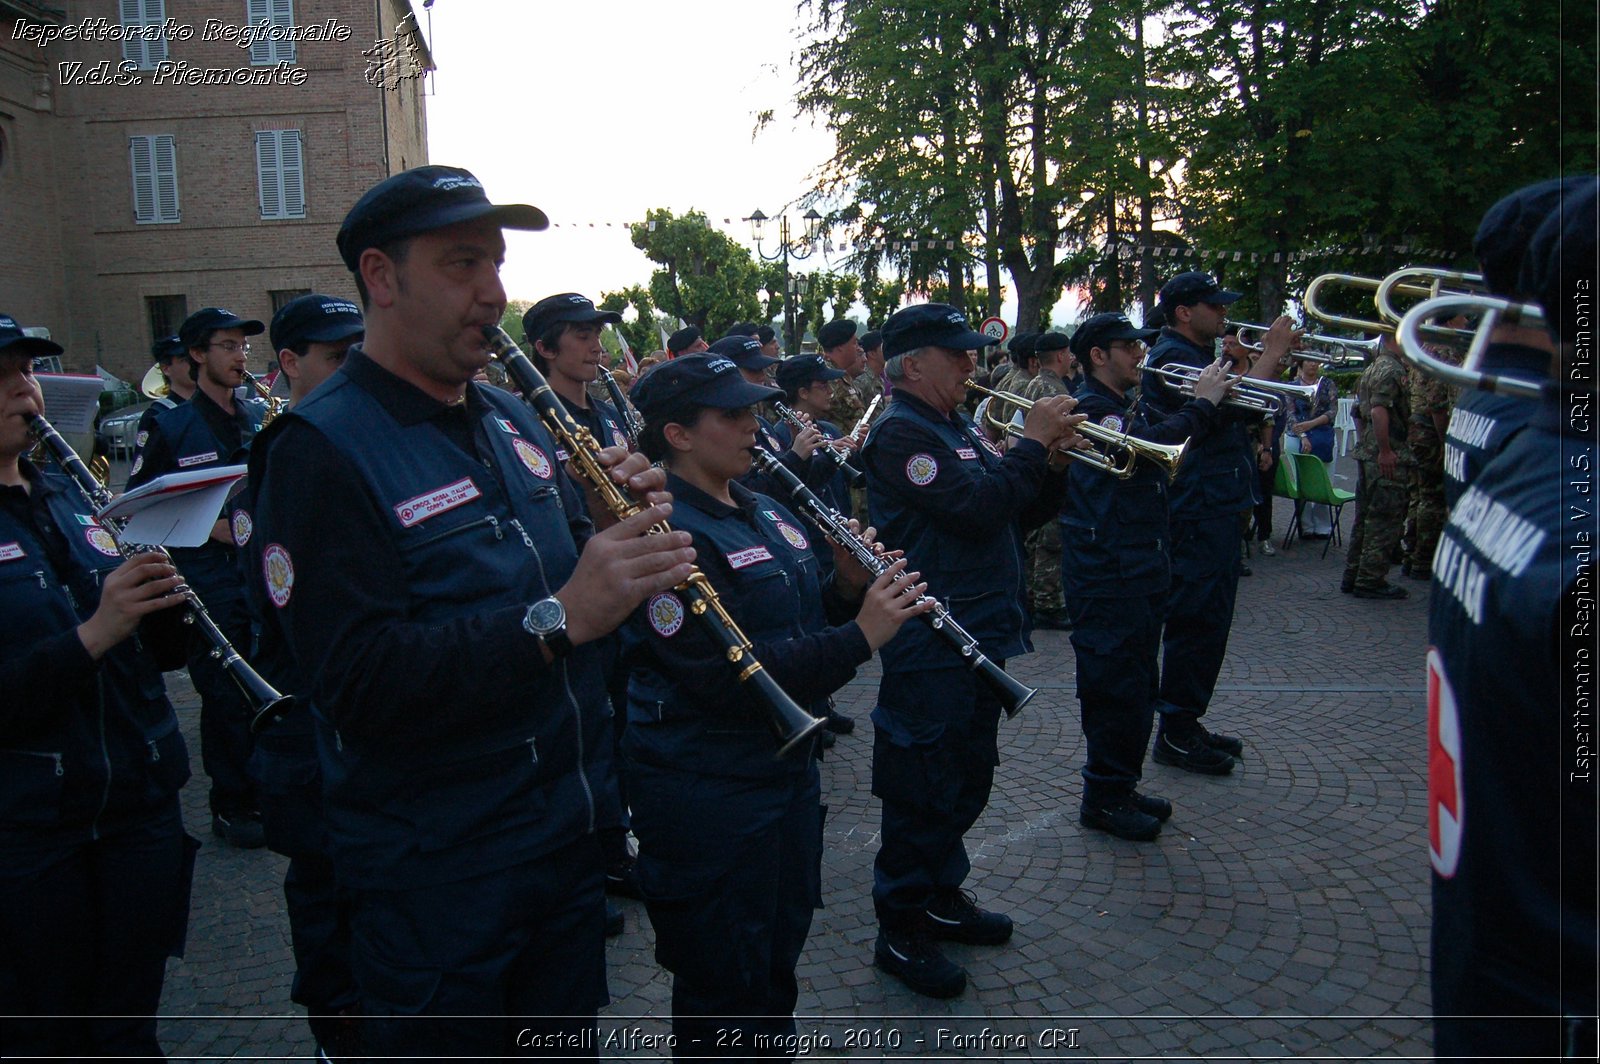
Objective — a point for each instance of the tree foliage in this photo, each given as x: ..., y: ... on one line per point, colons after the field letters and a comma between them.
x: 705, y: 277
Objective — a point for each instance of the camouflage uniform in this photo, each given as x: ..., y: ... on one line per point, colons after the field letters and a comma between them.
x: 1380, y: 500
x: 845, y: 407
x: 867, y: 387
x: 1426, y: 510
x: 1044, y: 542
x: 1015, y: 381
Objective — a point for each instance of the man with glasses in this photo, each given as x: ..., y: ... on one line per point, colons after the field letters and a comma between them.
x: 1214, y: 487
x: 1114, y: 567
x: 214, y: 428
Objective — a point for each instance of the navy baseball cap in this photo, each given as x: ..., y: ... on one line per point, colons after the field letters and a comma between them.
x: 1501, y: 241
x: 742, y: 351
x: 930, y: 324
x: 315, y: 318
x: 696, y: 380
x: 1187, y: 289
x: 13, y: 341
x: 168, y: 348
x: 1104, y: 329
x: 801, y: 370
x: 681, y: 340
x: 1561, y: 255
x: 835, y: 333
x: 420, y: 200
x: 209, y: 319
x: 871, y: 340
x: 568, y: 306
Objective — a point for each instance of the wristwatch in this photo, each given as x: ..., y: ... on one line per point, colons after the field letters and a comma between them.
x: 546, y: 620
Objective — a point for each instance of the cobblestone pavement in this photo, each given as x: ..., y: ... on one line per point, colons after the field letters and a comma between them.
x: 1283, y: 913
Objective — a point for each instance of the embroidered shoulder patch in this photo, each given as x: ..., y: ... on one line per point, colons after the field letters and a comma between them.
x: 242, y: 527
x: 921, y: 469
x: 1112, y: 422
x: 666, y: 613
x: 279, y: 573
x: 101, y: 541
x: 533, y: 459
x: 797, y: 539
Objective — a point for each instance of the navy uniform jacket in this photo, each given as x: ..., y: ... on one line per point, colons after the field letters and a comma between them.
x: 940, y: 492
x: 1219, y: 474
x: 1115, y: 534
x: 813, y: 472
x: 1511, y: 780
x: 85, y: 746
x: 602, y: 421
x: 686, y: 707
x: 401, y: 571
x: 147, y: 420
x: 1482, y: 423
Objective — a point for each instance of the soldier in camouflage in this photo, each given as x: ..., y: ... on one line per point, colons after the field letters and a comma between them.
x: 841, y: 348
x: 1044, y: 543
x: 1384, y: 456
x: 1431, y: 401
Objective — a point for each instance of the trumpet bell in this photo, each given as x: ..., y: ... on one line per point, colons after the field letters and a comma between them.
x: 154, y: 385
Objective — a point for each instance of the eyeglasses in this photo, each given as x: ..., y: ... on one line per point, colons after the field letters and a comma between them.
x: 233, y: 347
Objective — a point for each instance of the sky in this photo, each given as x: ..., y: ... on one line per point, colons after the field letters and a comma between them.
x: 598, y: 111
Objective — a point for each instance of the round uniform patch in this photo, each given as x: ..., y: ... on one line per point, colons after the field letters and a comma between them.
x: 1112, y: 422
x: 666, y: 613
x: 533, y: 458
x: 242, y: 527
x: 138, y: 464
x: 101, y: 541
x: 279, y: 573
x: 797, y: 539
x: 921, y: 469
x: 139, y: 440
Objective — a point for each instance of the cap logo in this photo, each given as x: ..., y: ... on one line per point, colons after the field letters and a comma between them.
x: 956, y: 319
x: 752, y: 345
x: 576, y: 299
x: 720, y: 365
x: 340, y: 308
x: 8, y: 322
x: 450, y: 182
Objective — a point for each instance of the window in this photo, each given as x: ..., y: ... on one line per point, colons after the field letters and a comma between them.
x: 155, y: 178
x: 280, y: 173
x: 166, y: 314
x: 281, y: 297
x: 278, y: 13
x: 148, y: 48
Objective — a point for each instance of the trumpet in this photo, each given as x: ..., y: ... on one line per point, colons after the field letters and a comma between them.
x: 791, y: 724
x: 1363, y: 349
x: 1384, y: 290
x: 264, y: 700
x: 1495, y: 311
x: 1249, y: 393
x: 1101, y: 456
x: 835, y: 452
x: 1013, y: 693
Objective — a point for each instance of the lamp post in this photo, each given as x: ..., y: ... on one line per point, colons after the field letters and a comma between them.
x: 803, y: 248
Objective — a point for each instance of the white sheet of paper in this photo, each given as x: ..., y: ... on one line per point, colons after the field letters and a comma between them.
x: 70, y: 400
x: 177, y: 510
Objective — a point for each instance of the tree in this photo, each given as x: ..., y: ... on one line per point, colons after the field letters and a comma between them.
x: 511, y: 320
x: 706, y: 278
x: 643, y: 332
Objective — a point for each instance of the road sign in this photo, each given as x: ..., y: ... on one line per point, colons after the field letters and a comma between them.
x: 995, y: 329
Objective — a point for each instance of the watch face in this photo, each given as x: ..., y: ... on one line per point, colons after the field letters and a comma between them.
x: 547, y: 615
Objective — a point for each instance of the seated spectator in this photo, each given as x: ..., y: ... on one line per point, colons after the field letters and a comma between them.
x: 1310, y: 431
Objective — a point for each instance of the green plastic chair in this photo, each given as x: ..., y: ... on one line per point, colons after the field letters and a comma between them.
x: 1317, y: 486
x: 1286, y: 486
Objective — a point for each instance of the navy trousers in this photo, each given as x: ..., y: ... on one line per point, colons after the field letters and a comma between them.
x: 1205, y: 584
x: 1116, y: 641
x: 225, y: 740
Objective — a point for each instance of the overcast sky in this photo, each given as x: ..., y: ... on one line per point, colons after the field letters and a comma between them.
x: 598, y: 111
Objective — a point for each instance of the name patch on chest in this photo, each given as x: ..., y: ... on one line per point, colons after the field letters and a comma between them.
x: 436, y: 502
x: 967, y: 453
x: 197, y: 459
x: 10, y: 552
x: 743, y: 559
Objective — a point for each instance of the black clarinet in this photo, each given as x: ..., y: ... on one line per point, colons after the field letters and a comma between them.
x: 264, y: 700
x: 630, y: 417
x: 789, y: 722
x: 1013, y: 693
x: 834, y: 454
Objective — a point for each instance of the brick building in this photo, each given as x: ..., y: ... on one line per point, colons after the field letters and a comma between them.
x: 159, y: 156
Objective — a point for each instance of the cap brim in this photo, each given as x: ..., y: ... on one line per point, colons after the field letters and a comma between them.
x: 1134, y: 334
x: 757, y: 361
x: 730, y: 392
x: 32, y: 347
x: 333, y: 332
x: 1225, y: 297
x: 829, y: 374
x: 966, y: 340
x: 248, y: 326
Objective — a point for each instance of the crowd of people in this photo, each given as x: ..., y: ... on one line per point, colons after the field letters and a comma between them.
x: 522, y: 623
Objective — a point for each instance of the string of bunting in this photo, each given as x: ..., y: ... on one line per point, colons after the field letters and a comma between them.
x: 1155, y: 251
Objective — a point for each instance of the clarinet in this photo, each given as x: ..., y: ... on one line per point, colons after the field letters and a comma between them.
x: 789, y: 722
x: 834, y: 454
x: 1013, y: 693
x: 630, y: 417
x: 264, y: 700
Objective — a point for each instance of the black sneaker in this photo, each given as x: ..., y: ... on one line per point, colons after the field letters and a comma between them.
x: 1217, y: 741
x: 916, y: 960
x: 1387, y: 591
x: 840, y: 724
x: 1122, y: 818
x: 1152, y: 805
x: 622, y: 879
x: 242, y: 830
x: 1191, y: 754
x: 954, y: 915
x: 615, y: 924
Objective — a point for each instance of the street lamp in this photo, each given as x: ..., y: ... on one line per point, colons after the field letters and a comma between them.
x: 803, y: 248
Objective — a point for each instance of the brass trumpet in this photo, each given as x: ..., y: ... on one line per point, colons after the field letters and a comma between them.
x: 1249, y: 393
x: 1495, y: 311
x: 1363, y: 349
x: 1100, y: 457
x: 1384, y: 289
